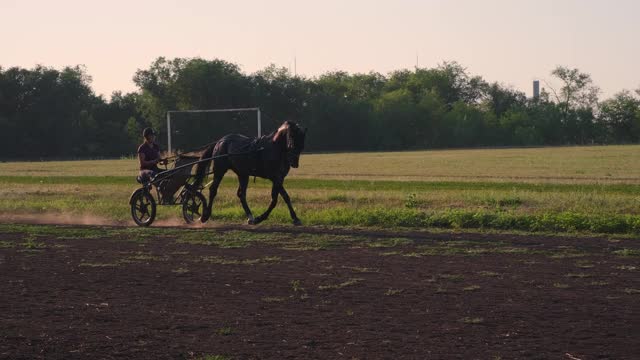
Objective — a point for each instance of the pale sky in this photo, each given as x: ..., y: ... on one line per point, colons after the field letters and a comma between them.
x: 509, y: 41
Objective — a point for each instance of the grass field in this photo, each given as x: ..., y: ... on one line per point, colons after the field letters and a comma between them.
x: 413, y: 255
x: 568, y: 189
x: 598, y: 164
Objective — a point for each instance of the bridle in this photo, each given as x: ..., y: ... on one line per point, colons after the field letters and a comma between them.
x: 290, y: 144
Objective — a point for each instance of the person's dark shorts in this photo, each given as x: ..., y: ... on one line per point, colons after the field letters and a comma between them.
x: 146, y: 175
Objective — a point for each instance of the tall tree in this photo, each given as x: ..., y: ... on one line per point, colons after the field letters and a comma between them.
x: 621, y: 116
x: 577, y: 91
x: 499, y: 99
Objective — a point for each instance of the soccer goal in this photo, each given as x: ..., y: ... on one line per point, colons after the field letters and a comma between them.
x: 189, y: 128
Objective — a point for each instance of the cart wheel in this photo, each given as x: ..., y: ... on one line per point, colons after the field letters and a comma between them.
x: 143, y: 208
x: 193, y: 206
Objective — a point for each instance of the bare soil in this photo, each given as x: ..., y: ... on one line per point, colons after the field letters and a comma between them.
x: 110, y: 298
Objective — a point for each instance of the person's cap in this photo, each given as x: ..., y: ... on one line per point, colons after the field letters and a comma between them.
x: 148, y: 131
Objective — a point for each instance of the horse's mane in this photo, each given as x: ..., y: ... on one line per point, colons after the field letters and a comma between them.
x: 255, y: 141
x: 287, y: 125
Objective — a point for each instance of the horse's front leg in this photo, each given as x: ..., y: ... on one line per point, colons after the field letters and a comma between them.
x: 275, y: 190
x: 292, y: 212
x: 242, y: 194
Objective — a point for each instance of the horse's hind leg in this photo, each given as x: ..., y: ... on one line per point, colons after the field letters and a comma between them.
x: 213, y: 191
x: 242, y: 194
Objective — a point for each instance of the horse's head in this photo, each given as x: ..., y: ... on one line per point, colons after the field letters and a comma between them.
x: 294, y: 136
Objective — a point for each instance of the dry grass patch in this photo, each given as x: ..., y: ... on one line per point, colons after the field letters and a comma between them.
x: 584, y: 264
x: 452, y: 277
x: 626, y: 267
x: 472, y: 320
x: 347, y: 283
x: 578, y: 275
x: 599, y: 283
x: 394, y: 292
x: 362, y: 269
x: 471, y: 288
x: 97, y: 265
x: 274, y: 299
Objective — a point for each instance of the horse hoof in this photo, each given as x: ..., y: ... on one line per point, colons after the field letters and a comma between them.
x: 251, y: 221
x: 297, y: 222
x: 204, y: 218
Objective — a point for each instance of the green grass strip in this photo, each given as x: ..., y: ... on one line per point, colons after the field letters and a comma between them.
x: 363, y: 185
x: 561, y: 222
x: 466, y: 219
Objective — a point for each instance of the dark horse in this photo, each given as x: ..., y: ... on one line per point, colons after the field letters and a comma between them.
x: 268, y: 157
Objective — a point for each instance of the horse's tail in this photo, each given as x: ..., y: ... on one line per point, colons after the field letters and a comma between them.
x: 201, y: 167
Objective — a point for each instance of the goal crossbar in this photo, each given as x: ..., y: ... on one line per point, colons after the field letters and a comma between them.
x: 169, y: 148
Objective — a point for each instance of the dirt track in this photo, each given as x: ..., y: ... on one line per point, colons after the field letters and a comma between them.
x: 153, y: 299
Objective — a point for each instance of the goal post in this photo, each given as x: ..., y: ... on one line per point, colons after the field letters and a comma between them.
x: 257, y: 110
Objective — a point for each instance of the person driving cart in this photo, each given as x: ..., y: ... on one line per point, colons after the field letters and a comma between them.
x: 149, y: 155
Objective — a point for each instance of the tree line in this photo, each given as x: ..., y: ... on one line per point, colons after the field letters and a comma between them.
x: 54, y: 113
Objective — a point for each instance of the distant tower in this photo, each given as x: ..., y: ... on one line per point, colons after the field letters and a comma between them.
x: 536, y: 89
